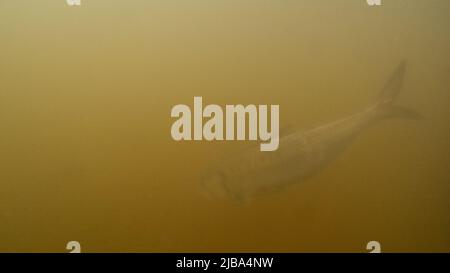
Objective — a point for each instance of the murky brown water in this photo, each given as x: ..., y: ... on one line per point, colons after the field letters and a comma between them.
x: 85, y: 146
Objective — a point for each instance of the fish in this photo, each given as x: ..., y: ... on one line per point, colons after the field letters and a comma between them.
x: 301, y: 154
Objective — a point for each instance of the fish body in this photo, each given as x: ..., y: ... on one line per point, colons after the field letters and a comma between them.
x: 300, y: 154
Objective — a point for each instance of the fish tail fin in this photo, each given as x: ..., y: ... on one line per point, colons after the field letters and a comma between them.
x: 388, y: 95
x: 393, y: 86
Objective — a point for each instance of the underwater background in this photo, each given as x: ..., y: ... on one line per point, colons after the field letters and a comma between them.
x: 86, y: 152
